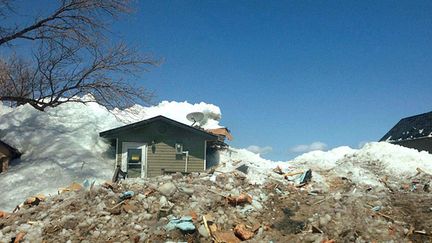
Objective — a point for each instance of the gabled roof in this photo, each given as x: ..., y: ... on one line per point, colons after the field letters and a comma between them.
x: 412, y: 127
x: 111, y: 133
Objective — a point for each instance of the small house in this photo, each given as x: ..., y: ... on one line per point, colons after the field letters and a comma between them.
x: 412, y: 132
x: 159, y: 145
x: 7, y: 154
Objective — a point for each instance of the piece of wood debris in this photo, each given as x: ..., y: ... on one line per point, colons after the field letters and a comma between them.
x: 218, y: 193
x: 208, y: 224
x: 319, y: 201
x: 242, y: 232
x: 316, y: 230
x: 239, y: 200
x: 293, y: 173
x: 3, y: 214
x: 421, y: 232
x: 19, y: 237
x: 225, y: 237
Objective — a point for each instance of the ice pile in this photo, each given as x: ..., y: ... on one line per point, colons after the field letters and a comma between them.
x: 364, y: 166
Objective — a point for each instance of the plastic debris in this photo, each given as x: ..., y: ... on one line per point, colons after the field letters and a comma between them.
x: 127, y: 195
x: 184, y: 224
x: 377, y: 208
x: 306, y: 177
x: 243, y: 168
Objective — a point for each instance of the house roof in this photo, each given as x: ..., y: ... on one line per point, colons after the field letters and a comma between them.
x: 111, y: 133
x: 412, y: 127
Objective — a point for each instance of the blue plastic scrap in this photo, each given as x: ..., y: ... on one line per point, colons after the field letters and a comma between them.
x: 377, y: 208
x: 87, y: 183
x: 184, y: 224
x: 127, y: 195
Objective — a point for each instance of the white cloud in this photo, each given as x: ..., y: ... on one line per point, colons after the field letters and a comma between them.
x: 303, y: 148
x: 259, y: 150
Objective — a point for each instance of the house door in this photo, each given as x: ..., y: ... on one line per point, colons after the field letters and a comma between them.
x: 134, y: 159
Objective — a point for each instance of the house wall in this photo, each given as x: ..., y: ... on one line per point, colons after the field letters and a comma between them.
x: 4, y: 151
x: 421, y: 144
x: 5, y: 157
x: 162, y: 154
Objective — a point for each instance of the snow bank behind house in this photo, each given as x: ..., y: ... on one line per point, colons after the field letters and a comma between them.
x: 174, y: 110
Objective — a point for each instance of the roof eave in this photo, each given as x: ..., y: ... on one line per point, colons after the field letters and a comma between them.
x: 112, y: 132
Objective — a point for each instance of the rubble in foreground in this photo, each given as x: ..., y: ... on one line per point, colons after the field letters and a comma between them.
x: 225, y: 207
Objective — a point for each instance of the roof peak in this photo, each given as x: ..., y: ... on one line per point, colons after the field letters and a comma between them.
x: 418, y: 115
x: 411, y: 127
x: 152, y: 119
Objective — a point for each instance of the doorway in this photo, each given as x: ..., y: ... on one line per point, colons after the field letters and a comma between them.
x: 134, y: 159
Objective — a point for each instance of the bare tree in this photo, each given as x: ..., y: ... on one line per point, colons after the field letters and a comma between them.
x: 71, y: 57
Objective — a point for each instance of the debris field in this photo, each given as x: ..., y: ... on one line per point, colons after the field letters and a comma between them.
x: 226, y: 207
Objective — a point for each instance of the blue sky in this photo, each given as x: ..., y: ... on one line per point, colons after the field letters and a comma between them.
x: 288, y: 73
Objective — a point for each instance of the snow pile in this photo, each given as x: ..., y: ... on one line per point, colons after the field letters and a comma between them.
x: 369, y: 164
x: 258, y: 168
x: 365, y: 166
x: 394, y: 159
x: 174, y: 110
x: 323, y: 160
x: 4, y: 109
x: 59, y: 146
x: 62, y: 144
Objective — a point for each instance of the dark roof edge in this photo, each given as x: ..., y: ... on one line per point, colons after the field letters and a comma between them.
x: 147, y: 121
x: 384, y: 138
x: 410, y: 117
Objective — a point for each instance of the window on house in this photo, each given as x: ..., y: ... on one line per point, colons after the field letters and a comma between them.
x: 134, y: 161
